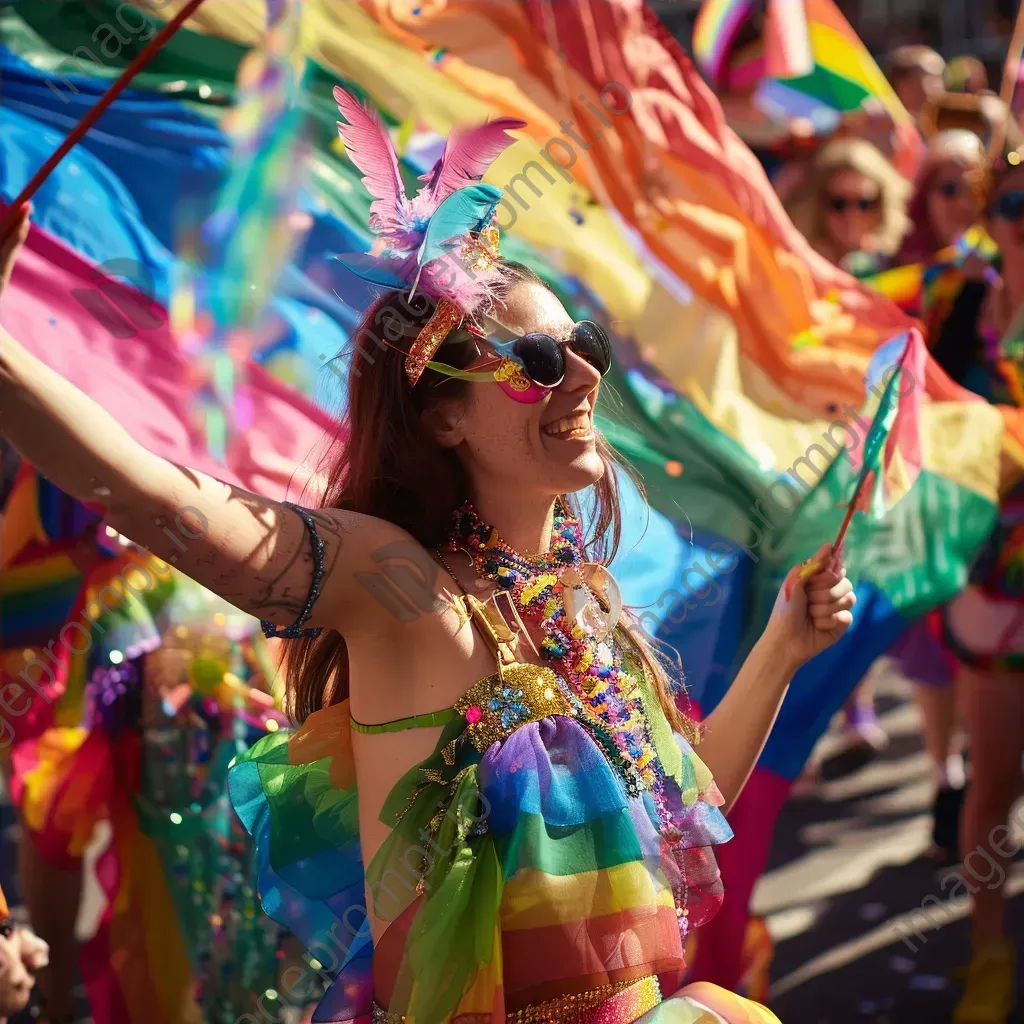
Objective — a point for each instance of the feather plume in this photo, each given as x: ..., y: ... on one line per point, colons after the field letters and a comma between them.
x: 441, y: 221
x: 371, y: 150
x: 463, y: 212
x: 468, y: 153
x: 388, y: 273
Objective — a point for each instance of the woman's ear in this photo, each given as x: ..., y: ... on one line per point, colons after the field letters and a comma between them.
x: 443, y: 421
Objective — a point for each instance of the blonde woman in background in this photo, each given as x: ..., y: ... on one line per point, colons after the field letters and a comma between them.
x: 852, y: 206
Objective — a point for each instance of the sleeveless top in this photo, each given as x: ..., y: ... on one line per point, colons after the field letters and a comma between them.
x: 523, y: 868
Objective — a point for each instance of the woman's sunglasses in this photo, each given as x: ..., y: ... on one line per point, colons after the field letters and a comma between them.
x: 1009, y: 207
x: 863, y: 204
x: 541, y: 359
x: 949, y: 189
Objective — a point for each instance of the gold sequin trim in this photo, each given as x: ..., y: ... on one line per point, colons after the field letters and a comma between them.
x: 495, y: 707
x: 568, y: 1009
x: 512, y: 374
x: 428, y: 341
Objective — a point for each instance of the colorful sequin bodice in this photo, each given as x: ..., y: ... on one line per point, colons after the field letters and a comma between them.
x: 526, y: 864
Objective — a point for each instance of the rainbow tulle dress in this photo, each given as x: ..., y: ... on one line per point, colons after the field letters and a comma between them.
x: 525, y: 878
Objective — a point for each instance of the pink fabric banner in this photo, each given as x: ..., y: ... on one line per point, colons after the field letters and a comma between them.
x: 61, y: 310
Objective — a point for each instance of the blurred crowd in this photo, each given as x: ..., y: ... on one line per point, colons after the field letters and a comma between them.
x: 946, y: 242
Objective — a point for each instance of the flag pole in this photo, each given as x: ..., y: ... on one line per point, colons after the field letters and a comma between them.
x: 1011, y: 68
x: 99, y: 109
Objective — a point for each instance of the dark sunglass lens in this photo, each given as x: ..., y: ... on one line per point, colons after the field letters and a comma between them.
x: 1011, y: 206
x: 543, y: 359
x: 589, y: 341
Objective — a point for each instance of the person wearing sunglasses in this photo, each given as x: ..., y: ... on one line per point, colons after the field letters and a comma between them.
x: 492, y: 808
x: 979, y: 347
x: 945, y: 202
x: 852, y: 205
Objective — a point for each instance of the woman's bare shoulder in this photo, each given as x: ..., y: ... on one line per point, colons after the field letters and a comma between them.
x: 381, y: 571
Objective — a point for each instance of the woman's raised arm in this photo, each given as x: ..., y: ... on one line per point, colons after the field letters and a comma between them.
x: 254, y: 552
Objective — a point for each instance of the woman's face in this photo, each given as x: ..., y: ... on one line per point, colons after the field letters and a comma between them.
x: 1006, y: 217
x: 951, y: 205
x: 851, y: 210
x: 547, y: 447
x: 915, y: 88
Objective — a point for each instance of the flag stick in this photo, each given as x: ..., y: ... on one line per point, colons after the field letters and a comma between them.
x: 1011, y: 68
x: 813, y: 567
x: 848, y: 518
x: 99, y: 109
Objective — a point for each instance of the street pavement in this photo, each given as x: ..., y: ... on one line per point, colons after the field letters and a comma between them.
x: 848, y: 868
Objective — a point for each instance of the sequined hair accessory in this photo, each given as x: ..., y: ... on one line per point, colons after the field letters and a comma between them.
x: 443, y: 242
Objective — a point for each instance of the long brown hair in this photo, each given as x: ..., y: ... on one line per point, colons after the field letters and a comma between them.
x: 388, y: 466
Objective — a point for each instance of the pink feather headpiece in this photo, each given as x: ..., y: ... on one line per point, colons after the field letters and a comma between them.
x: 443, y: 241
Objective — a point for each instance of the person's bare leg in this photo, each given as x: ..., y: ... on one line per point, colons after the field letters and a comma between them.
x: 52, y: 896
x: 993, y: 708
x: 937, y: 705
x: 861, y: 721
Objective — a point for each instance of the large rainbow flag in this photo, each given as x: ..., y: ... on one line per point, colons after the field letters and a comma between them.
x: 741, y: 354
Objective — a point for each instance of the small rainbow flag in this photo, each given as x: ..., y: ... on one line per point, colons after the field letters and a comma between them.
x: 902, y: 285
x: 927, y: 290
x: 889, y: 460
x: 715, y: 30
x: 808, y: 64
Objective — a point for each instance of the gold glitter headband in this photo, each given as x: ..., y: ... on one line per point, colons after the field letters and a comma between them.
x: 444, y: 319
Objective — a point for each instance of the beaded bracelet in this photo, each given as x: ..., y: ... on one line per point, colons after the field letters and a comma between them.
x: 295, y: 630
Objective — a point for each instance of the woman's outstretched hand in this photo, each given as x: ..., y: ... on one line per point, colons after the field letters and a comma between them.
x: 811, y: 613
x: 11, y: 242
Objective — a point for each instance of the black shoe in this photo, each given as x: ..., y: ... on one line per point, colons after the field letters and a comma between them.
x: 946, y: 823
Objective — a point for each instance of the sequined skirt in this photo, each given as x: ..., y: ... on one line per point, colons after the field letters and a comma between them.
x: 620, y: 1003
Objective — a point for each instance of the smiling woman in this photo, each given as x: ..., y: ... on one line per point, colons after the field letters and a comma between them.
x: 508, y: 774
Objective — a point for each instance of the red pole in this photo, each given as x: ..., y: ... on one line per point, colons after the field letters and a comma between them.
x: 849, y: 513
x: 99, y: 108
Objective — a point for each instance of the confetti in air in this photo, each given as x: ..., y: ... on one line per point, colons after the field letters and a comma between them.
x: 233, y: 254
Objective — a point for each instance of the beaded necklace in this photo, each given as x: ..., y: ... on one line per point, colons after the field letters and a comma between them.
x: 593, y: 671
